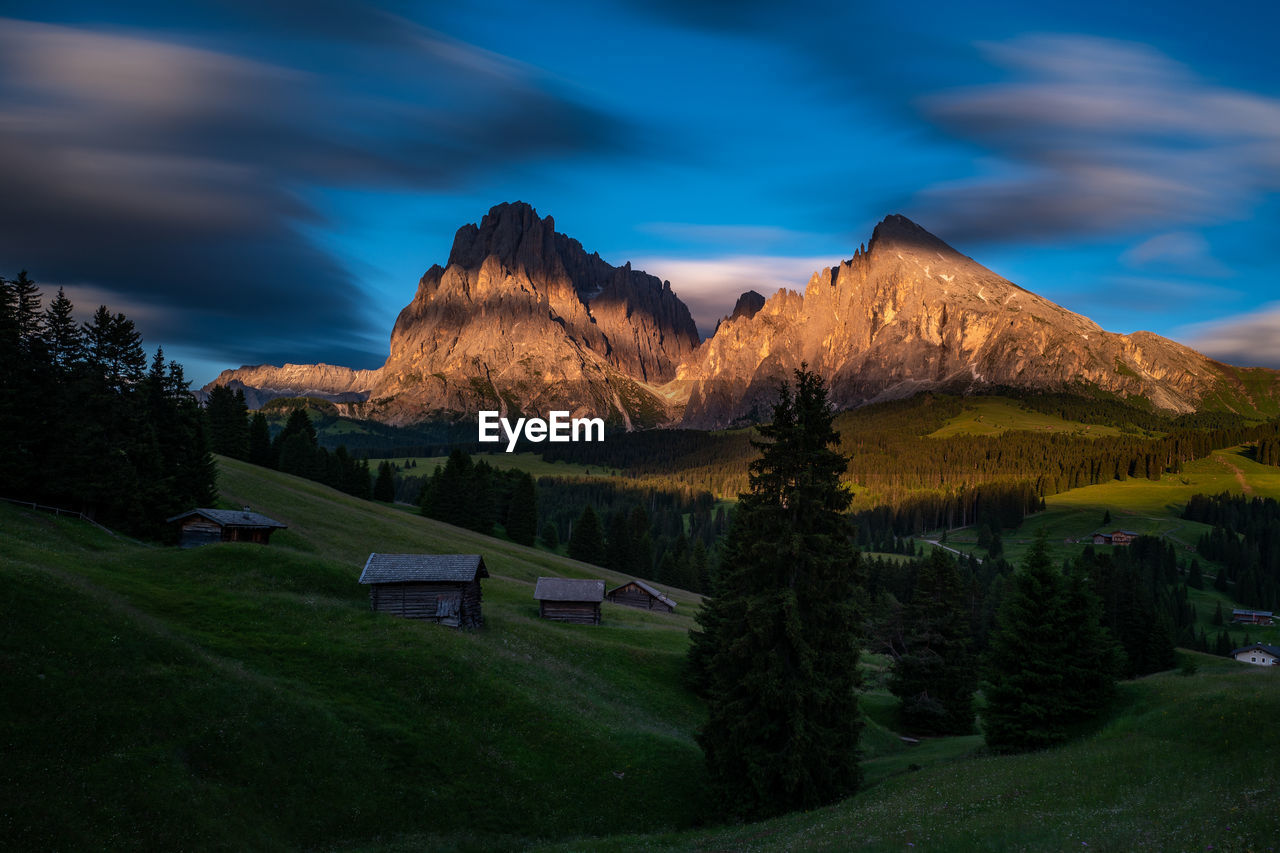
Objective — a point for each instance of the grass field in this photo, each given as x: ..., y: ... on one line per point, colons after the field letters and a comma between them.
x: 1186, y: 763
x: 240, y: 697
x: 994, y: 415
x: 1144, y: 506
x: 530, y: 462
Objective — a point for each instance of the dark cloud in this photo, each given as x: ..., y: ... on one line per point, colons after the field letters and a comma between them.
x: 174, y: 176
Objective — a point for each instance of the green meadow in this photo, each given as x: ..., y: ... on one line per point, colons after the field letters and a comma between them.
x: 995, y: 415
x: 239, y: 697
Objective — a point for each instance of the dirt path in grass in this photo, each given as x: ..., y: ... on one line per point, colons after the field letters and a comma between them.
x: 1244, y: 484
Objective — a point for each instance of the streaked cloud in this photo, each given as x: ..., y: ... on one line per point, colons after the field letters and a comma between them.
x: 1185, y: 252
x: 176, y: 177
x: 1091, y: 136
x: 1248, y: 340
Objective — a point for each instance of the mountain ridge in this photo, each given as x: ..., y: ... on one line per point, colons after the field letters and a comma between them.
x: 522, y: 319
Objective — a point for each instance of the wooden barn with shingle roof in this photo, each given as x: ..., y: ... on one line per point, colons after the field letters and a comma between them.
x: 638, y: 594
x: 206, y: 526
x: 569, y: 599
x: 443, y: 588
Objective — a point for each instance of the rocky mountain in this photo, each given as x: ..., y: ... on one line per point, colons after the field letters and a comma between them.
x: 909, y: 313
x: 326, y: 381
x: 523, y: 320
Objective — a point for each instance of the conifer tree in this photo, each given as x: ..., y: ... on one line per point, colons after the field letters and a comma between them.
x: 778, y: 650
x: 1050, y: 665
x: 934, y: 677
x: 550, y: 537
x: 62, y: 334
x: 586, y: 541
x: 522, y: 513
x: 384, y: 488
x: 260, y: 452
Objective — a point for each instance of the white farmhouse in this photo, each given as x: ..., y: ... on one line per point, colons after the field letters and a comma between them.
x: 1258, y: 654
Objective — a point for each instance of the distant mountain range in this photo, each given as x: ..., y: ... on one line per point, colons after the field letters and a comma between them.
x: 521, y: 319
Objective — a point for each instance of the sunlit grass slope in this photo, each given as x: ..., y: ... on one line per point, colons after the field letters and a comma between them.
x: 995, y: 415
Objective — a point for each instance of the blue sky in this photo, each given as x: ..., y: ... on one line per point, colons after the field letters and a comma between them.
x: 254, y: 185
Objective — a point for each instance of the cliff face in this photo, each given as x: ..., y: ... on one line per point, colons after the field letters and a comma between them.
x: 910, y: 313
x: 327, y: 381
x: 521, y: 319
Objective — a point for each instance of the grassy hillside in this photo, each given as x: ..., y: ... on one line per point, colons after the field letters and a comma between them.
x: 1144, y: 506
x: 1187, y: 763
x: 995, y: 415
x: 240, y: 697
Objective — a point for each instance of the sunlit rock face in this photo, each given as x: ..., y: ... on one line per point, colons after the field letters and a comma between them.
x: 522, y: 320
x: 909, y: 313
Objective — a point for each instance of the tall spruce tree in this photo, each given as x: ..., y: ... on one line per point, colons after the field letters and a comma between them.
x: 522, y: 512
x: 586, y: 541
x: 260, y: 452
x: 384, y: 488
x: 934, y: 676
x: 778, y: 649
x: 1050, y: 666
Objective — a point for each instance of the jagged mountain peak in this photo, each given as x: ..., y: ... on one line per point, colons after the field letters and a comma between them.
x: 899, y: 231
x: 512, y: 232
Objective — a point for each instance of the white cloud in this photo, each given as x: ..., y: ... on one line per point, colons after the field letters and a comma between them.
x: 1185, y: 252
x: 1249, y: 340
x: 1094, y: 136
x: 710, y: 286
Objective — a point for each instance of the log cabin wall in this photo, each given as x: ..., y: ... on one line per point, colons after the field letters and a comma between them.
x: 452, y: 604
x: 579, y: 612
x: 199, y: 531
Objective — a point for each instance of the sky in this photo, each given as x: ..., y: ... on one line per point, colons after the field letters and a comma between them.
x: 252, y: 183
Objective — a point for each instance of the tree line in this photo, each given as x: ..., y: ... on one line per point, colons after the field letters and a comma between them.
x: 294, y: 449
x: 88, y: 422
x: 895, y: 462
x: 665, y: 536
x: 1245, y: 540
x: 775, y: 653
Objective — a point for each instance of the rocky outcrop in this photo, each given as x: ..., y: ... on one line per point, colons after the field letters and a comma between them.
x: 521, y: 319
x: 326, y: 381
x: 910, y: 313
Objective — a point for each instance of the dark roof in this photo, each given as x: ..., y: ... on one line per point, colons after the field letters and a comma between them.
x: 231, y: 518
x: 1266, y: 613
x: 568, y: 589
x: 397, y: 568
x: 1271, y: 650
x: 647, y: 589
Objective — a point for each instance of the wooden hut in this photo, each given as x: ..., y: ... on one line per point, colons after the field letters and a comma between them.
x: 638, y: 594
x: 204, y: 526
x: 443, y: 588
x: 569, y: 599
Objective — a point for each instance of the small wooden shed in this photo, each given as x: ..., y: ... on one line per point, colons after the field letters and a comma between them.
x: 205, y: 526
x: 638, y: 594
x: 569, y: 599
x: 443, y: 588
